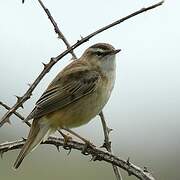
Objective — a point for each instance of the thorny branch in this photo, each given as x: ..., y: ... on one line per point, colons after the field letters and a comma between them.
x: 20, y: 100
x: 16, y: 113
x: 56, y: 29
x: 54, y: 60
x: 107, y: 143
x: 106, y: 134
x: 96, y: 153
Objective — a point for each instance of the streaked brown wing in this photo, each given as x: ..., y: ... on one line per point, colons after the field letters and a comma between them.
x: 66, y: 90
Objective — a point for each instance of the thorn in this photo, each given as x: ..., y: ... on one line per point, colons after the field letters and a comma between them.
x: 128, y: 163
x: 22, y: 106
x: 109, y: 130
x: 29, y: 95
x: 81, y: 37
x: 53, y: 60
x: 23, y: 1
x: 18, y: 101
x: 8, y: 121
x: 24, y: 139
x: 1, y: 154
x: 29, y: 84
x: 145, y: 170
x: 18, y: 98
x: 44, y: 64
x: 57, y: 148
x: 69, y: 151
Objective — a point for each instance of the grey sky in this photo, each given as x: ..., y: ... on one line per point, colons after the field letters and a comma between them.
x: 144, y: 107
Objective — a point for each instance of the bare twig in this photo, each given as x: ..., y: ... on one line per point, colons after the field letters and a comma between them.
x: 96, y: 153
x: 16, y: 113
x: 107, y: 144
x: 8, y: 146
x: 106, y: 130
x: 56, y: 28
x: 54, y: 60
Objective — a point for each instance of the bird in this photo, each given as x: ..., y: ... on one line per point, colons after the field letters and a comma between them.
x: 76, y: 95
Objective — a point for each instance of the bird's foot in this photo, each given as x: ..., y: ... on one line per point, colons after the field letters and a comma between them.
x: 66, y: 137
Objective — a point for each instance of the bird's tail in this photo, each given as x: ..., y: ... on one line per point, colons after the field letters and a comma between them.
x: 36, y: 135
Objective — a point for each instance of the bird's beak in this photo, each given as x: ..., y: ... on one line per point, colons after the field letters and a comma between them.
x: 112, y: 52
x: 117, y: 51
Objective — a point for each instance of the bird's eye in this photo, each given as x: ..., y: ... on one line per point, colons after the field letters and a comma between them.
x: 99, y: 53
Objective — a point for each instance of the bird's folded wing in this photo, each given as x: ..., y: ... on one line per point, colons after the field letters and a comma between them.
x: 65, y: 90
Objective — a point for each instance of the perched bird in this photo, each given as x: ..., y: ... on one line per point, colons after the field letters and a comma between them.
x: 76, y: 95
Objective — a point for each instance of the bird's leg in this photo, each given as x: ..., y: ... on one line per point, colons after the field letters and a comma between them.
x: 75, y: 134
x: 87, y: 142
x: 66, y: 138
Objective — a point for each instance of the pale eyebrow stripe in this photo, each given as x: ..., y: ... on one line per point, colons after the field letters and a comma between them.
x: 98, y: 49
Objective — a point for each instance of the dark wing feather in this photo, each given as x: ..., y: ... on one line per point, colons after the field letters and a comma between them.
x: 65, y: 90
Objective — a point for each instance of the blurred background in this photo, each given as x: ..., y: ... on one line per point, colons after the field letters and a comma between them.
x: 144, y: 108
